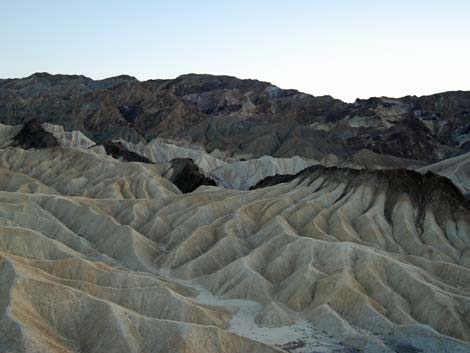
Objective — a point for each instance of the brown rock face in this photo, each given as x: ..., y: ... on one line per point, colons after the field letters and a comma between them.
x: 242, y: 116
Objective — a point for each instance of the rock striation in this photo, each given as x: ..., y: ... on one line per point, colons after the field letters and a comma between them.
x: 100, y: 254
x: 242, y: 116
x: 242, y: 175
x: 222, y: 215
x: 456, y: 169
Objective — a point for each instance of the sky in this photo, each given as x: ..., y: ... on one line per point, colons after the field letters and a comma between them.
x: 346, y: 49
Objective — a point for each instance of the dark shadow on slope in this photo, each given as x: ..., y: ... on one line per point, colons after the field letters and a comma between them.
x: 182, y: 172
x: 187, y: 176
x: 119, y: 151
x: 424, y: 190
x: 33, y: 135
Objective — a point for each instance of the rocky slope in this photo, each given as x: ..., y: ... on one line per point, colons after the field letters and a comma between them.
x: 228, y: 172
x: 120, y: 151
x: 159, y: 151
x: 187, y: 166
x: 366, y: 159
x: 186, y: 175
x: 34, y: 135
x: 98, y: 254
x: 242, y: 175
x: 456, y: 169
x: 135, y: 246
x: 242, y: 116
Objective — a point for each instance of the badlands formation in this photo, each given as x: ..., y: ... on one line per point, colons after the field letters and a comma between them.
x: 113, y: 243
x: 456, y: 169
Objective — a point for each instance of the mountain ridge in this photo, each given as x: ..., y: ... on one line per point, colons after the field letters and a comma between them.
x: 45, y: 74
x: 238, y: 116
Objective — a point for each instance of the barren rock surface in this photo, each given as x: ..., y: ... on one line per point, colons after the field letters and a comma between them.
x: 456, y: 169
x: 242, y: 116
x: 209, y: 214
x: 100, y: 255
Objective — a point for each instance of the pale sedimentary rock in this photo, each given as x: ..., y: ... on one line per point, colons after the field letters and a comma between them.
x: 101, y: 255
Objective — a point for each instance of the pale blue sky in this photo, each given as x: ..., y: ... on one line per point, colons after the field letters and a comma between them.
x: 347, y: 49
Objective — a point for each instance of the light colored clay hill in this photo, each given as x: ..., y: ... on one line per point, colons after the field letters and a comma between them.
x: 77, y: 172
x: 162, y: 152
x: 456, y: 169
x: 68, y: 138
x: 8, y: 133
x: 235, y: 174
x: 242, y: 175
x: 97, y: 255
x: 64, y: 138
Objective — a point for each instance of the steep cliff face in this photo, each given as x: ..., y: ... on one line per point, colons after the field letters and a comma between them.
x: 242, y: 116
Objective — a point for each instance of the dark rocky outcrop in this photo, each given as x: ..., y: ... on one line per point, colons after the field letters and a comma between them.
x: 275, y: 179
x: 120, y: 151
x: 187, y: 176
x: 424, y: 190
x: 33, y: 135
